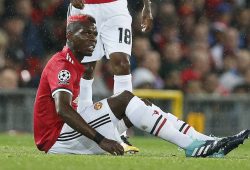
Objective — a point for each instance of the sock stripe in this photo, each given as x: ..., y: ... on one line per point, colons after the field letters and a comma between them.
x: 184, y: 124
x: 162, y: 124
x: 186, y: 129
x: 156, y: 123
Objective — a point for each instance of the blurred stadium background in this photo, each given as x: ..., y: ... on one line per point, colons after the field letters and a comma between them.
x: 197, y: 55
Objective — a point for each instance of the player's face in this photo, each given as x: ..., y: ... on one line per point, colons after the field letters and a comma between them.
x: 84, y: 39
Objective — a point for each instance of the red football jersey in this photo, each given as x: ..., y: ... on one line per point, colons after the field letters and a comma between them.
x: 97, y: 1
x: 62, y: 73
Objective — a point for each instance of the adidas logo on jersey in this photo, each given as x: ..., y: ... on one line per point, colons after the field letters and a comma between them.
x: 69, y: 58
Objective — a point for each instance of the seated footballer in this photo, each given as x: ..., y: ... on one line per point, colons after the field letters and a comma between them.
x: 62, y: 128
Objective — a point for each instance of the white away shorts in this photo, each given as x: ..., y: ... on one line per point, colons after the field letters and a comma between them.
x: 100, y: 117
x: 113, y: 23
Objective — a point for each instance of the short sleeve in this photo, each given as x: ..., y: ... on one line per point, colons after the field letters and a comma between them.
x: 61, y: 77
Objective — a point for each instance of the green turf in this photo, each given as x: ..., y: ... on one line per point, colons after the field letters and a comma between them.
x: 18, y: 152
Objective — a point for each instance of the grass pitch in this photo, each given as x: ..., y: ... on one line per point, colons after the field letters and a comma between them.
x: 19, y: 153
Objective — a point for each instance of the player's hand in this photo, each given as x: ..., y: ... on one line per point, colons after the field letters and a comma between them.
x: 77, y: 4
x: 147, y: 20
x: 111, y: 146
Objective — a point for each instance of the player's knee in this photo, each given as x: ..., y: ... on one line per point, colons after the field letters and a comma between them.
x: 124, y: 97
x: 122, y: 68
x: 119, y: 102
x: 127, y: 95
x: 120, y: 63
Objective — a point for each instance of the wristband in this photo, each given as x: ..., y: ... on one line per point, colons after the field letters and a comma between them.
x: 98, y: 138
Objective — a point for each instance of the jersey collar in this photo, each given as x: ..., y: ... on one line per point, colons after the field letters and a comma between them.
x: 67, y: 50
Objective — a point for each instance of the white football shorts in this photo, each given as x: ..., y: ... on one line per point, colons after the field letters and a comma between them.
x: 100, y: 117
x: 113, y: 23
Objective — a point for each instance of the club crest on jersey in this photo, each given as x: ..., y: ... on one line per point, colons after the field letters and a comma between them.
x: 98, y: 105
x: 63, y: 77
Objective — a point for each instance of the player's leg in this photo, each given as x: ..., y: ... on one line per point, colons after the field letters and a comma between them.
x: 122, y: 81
x: 121, y: 68
x: 143, y: 116
x: 183, y: 127
x: 117, y: 40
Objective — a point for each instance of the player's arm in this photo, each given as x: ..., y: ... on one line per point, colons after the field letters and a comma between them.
x: 73, y: 119
x: 147, y: 18
x: 77, y: 4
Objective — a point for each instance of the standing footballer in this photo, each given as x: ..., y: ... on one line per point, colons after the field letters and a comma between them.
x: 114, y: 40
